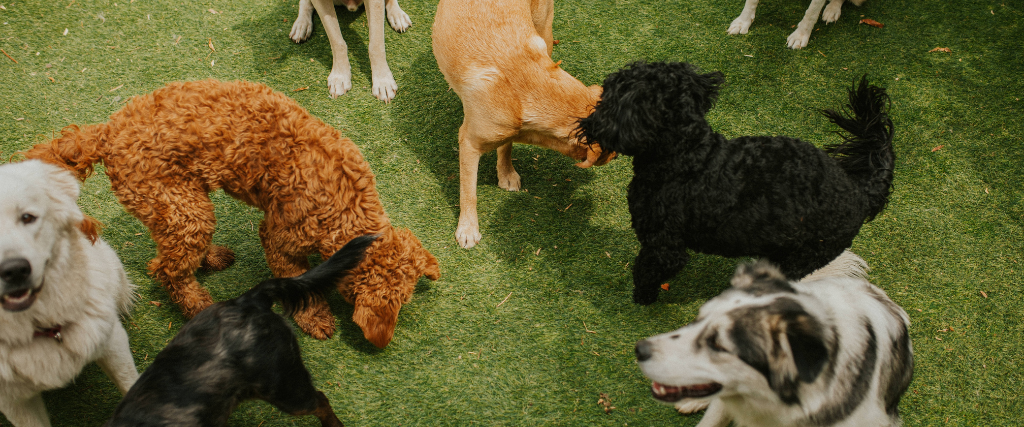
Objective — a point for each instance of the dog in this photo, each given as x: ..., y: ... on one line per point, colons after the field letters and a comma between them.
x: 340, y: 79
x: 165, y: 151
x: 830, y: 350
x: 774, y: 197
x: 511, y: 91
x: 61, y: 291
x: 237, y: 350
x: 799, y: 38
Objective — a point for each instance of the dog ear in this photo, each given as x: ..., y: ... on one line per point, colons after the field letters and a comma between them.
x: 90, y: 227
x: 377, y: 322
x: 64, y: 193
x: 760, y: 278
x: 798, y: 352
x: 647, y: 106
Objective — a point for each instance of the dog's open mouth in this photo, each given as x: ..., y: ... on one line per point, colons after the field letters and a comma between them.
x: 669, y: 393
x: 20, y: 299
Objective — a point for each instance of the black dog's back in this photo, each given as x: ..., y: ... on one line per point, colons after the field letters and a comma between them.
x: 775, y: 197
x: 237, y: 350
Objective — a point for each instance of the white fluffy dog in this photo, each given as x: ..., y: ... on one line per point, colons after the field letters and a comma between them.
x: 830, y: 350
x: 799, y: 38
x: 61, y: 288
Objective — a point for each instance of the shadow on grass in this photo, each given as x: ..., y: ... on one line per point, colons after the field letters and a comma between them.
x: 276, y: 46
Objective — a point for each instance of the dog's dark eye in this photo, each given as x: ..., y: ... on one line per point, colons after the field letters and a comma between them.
x: 27, y: 218
x: 714, y: 344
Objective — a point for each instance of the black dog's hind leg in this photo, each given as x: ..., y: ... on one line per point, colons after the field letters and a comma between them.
x: 652, y: 267
x: 292, y: 391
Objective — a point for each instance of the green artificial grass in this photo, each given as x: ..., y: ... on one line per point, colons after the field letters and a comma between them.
x: 534, y: 324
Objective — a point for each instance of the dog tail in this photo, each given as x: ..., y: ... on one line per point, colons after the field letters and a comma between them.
x: 866, y: 151
x: 295, y: 293
x: 847, y: 264
x: 76, y: 149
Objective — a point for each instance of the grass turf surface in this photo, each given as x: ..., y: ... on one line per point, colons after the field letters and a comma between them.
x: 533, y: 324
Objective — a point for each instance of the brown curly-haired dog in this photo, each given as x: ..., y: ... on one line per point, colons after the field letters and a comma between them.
x: 164, y: 152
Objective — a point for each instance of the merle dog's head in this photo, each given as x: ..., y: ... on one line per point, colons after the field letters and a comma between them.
x: 645, y: 102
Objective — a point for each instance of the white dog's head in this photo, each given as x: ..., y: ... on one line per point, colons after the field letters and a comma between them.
x: 755, y: 341
x: 37, y: 211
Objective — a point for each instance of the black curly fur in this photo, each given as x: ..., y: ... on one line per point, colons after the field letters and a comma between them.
x: 778, y: 197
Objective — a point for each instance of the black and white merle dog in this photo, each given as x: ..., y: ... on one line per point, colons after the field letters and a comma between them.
x: 831, y: 350
x: 773, y: 197
x: 237, y: 350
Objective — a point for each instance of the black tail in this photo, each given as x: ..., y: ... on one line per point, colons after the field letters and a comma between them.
x: 866, y: 151
x: 295, y: 293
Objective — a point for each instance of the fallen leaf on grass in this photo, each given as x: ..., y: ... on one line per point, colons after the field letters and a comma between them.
x: 300, y: 89
x: 937, y: 148
x: 984, y: 294
x: 606, y: 402
x: 156, y: 303
x: 664, y: 286
x: 872, y: 22
x: 555, y: 42
x: 116, y: 88
x: 941, y: 49
x: 209, y: 42
x: 212, y: 11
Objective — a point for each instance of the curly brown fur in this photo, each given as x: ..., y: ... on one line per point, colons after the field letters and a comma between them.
x: 165, y: 151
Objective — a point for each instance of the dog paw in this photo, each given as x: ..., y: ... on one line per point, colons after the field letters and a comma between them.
x: 338, y: 83
x: 740, y: 25
x: 798, y: 40
x: 468, y: 234
x: 831, y: 13
x: 399, y: 20
x: 218, y: 258
x: 301, y: 29
x: 384, y: 88
x: 689, y: 406
x: 510, y: 181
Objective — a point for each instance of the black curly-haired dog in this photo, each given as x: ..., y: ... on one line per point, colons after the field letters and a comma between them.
x: 237, y: 350
x: 774, y: 197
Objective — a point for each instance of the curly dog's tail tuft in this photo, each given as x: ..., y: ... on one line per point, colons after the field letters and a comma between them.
x: 866, y: 151
x: 76, y: 149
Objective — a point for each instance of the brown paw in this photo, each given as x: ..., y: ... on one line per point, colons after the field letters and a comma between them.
x: 316, y: 320
x: 218, y: 258
x: 191, y: 299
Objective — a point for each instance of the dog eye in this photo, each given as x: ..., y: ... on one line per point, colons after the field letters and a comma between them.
x: 27, y: 218
x: 714, y: 344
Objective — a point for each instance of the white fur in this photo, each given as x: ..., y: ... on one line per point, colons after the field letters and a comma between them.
x: 799, y: 38
x: 84, y: 287
x: 836, y: 296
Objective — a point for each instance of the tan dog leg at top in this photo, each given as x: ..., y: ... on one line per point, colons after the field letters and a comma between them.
x: 384, y: 86
x: 340, y: 79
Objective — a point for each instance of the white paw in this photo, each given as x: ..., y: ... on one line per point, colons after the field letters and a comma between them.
x: 740, y: 25
x: 510, y: 182
x: 399, y: 20
x: 468, y: 234
x: 831, y: 13
x: 798, y: 40
x: 384, y: 88
x: 339, y: 82
x: 689, y: 406
x: 301, y: 29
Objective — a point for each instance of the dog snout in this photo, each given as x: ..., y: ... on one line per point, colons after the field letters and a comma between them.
x: 15, y: 270
x: 644, y: 350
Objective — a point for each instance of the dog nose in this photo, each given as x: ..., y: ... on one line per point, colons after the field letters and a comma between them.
x: 15, y: 270
x: 643, y: 351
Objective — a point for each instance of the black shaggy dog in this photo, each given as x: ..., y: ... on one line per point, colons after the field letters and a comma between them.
x: 237, y: 350
x: 774, y: 197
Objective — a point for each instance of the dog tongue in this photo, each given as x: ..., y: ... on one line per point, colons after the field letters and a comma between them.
x: 670, y: 393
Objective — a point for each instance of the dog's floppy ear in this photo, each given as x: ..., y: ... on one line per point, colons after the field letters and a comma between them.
x: 648, y: 105
x: 377, y: 322
x: 63, y: 191
x: 798, y: 351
